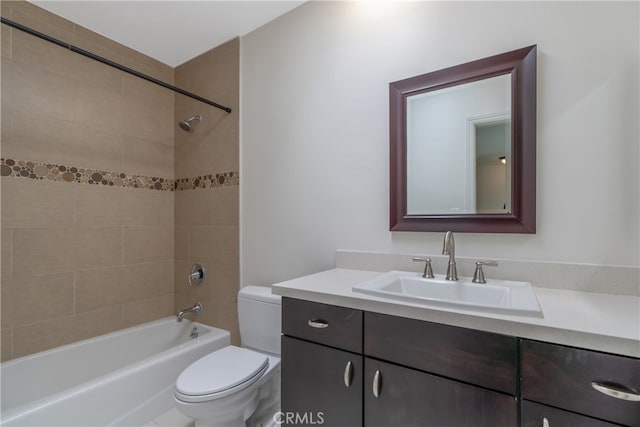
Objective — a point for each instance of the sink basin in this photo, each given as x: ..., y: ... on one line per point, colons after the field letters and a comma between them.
x: 496, y: 296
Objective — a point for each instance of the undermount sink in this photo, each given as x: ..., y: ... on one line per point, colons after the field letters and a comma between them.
x: 496, y: 296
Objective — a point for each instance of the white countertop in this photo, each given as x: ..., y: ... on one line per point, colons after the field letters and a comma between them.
x: 609, y: 323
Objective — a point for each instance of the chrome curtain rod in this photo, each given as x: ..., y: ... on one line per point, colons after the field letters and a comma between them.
x: 110, y: 63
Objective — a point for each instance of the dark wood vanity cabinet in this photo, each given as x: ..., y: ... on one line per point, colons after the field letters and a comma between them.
x: 564, y: 377
x: 448, y: 376
x: 349, y: 368
x: 330, y: 325
x: 408, y: 397
x: 409, y: 378
x: 314, y: 388
x: 322, y: 364
x: 482, y: 358
x: 537, y: 415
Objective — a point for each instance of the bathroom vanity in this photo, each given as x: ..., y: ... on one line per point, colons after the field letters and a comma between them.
x: 356, y: 360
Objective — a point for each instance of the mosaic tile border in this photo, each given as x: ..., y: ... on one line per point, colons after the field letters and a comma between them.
x: 225, y: 179
x: 53, y: 172
x: 62, y: 173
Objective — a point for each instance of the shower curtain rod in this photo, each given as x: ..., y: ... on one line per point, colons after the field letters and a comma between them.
x: 110, y: 63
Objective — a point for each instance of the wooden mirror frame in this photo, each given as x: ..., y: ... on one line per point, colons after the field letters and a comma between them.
x: 521, y: 64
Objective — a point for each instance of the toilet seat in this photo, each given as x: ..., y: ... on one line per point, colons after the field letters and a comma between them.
x: 220, y: 373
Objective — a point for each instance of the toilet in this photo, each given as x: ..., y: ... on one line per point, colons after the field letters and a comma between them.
x: 238, y: 386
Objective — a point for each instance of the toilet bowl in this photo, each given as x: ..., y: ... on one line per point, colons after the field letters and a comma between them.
x: 227, y: 387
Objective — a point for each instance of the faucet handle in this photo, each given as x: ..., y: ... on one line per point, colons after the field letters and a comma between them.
x: 428, y: 271
x: 196, y: 276
x: 478, y: 276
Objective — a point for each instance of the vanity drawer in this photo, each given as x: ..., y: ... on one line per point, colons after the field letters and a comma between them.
x: 562, y: 376
x: 534, y: 415
x: 481, y: 358
x: 330, y: 325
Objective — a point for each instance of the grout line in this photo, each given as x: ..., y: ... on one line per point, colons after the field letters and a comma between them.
x: 12, y: 256
x: 122, y: 230
x: 75, y: 208
x: 75, y: 293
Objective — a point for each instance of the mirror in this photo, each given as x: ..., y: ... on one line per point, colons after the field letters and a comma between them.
x: 463, y: 149
x: 457, y: 136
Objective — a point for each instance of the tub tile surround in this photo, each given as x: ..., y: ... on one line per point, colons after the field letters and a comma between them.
x: 74, y: 138
x: 206, y: 220
x: 616, y: 280
x: 66, y: 277
x: 93, y: 185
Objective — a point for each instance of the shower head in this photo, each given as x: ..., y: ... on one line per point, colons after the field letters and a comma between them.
x: 186, y: 123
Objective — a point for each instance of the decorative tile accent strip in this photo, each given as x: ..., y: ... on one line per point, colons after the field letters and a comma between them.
x: 225, y: 179
x: 51, y: 172
x: 33, y: 170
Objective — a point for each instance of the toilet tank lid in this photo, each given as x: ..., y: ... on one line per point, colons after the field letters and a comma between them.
x: 259, y: 293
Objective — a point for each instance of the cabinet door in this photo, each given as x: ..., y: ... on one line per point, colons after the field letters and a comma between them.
x: 536, y: 415
x: 482, y: 358
x: 407, y: 397
x: 319, y: 386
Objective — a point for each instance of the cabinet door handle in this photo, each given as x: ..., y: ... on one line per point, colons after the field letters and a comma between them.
x: 545, y: 422
x: 617, y: 391
x: 348, y: 374
x: 377, y: 382
x: 318, y: 323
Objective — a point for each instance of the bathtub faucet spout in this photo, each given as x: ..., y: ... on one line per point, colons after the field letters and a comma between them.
x: 195, y: 309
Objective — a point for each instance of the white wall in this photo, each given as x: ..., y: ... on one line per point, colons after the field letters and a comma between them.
x: 314, y: 128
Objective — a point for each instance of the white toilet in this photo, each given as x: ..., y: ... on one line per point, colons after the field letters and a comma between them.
x: 233, y: 386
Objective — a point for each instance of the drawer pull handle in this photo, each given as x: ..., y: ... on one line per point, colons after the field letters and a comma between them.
x: 348, y: 374
x: 377, y: 383
x: 617, y: 391
x: 318, y: 323
x: 545, y: 422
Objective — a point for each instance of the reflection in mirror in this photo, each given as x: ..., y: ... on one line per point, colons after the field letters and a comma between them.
x: 492, y: 166
x: 463, y: 147
x: 455, y: 137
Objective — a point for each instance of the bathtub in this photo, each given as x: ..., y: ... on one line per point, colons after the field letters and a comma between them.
x: 125, y: 378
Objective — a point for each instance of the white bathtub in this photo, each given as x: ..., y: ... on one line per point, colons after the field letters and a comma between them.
x: 125, y: 378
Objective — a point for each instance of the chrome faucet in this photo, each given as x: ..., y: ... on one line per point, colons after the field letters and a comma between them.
x: 449, y: 248
x: 195, y: 309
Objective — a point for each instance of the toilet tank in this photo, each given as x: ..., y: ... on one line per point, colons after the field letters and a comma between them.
x: 259, y: 315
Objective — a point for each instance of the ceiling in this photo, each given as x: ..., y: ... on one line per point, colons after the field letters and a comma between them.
x: 172, y: 32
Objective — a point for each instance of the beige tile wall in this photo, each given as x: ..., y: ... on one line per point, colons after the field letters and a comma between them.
x: 206, y: 220
x: 80, y: 260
